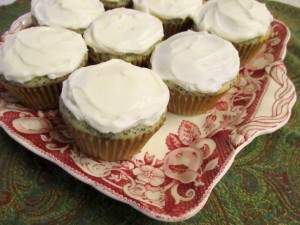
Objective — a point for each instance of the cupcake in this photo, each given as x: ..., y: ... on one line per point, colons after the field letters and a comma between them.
x: 35, y: 61
x: 125, y: 34
x: 246, y: 24
x: 112, y: 4
x: 113, y: 108
x: 176, y: 16
x: 198, y: 69
x: 71, y: 14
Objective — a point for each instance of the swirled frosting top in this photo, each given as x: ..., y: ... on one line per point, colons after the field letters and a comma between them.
x: 168, y: 9
x: 115, y: 96
x: 196, y: 61
x: 234, y: 20
x: 40, y: 51
x: 71, y: 14
x: 123, y: 31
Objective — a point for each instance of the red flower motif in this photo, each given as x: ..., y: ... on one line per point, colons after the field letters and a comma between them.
x: 149, y: 174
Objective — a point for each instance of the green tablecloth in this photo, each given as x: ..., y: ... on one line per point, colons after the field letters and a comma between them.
x: 262, y: 186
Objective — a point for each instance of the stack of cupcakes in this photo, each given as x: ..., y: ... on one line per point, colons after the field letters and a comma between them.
x: 114, y: 107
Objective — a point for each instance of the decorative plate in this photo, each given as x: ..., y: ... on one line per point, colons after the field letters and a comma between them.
x: 174, y: 174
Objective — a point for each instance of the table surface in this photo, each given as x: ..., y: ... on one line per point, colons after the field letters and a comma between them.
x: 261, y: 187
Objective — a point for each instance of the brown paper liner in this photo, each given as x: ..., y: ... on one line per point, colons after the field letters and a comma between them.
x: 138, y: 60
x: 109, y: 149
x: 175, y: 26
x: 248, y: 49
x: 189, y: 105
x: 44, y: 97
x: 113, y: 5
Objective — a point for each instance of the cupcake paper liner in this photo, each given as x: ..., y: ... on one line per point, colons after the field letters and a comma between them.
x: 174, y: 26
x: 43, y: 97
x: 109, y: 149
x: 112, y: 5
x: 248, y: 49
x: 189, y: 105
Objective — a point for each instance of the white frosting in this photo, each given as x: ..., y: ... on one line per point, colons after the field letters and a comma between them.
x: 72, y: 14
x: 40, y: 51
x: 196, y: 61
x: 168, y: 9
x: 234, y: 20
x: 123, y: 31
x: 115, y: 96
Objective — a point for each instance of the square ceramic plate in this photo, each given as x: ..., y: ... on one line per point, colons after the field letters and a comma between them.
x: 174, y: 174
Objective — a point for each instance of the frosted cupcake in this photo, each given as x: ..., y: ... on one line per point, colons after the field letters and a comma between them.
x: 176, y: 16
x: 198, y: 68
x: 113, y: 108
x: 71, y: 14
x: 125, y: 34
x: 35, y: 61
x: 112, y: 4
x: 247, y: 24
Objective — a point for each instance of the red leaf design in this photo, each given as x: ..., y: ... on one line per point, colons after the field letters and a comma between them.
x: 206, y: 150
x: 188, y: 132
x: 158, y: 163
x: 173, y: 142
x: 222, y: 106
x: 211, y: 118
x: 212, y: 164
x: 148, y: 159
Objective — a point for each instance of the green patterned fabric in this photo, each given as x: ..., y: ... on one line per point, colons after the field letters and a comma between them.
x: 261, y: 187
